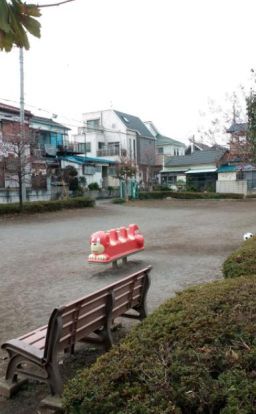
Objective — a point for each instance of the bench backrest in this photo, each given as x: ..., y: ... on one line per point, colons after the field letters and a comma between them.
x: 76, y: 320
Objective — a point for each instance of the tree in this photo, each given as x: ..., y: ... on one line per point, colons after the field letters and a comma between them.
x: 69, y: 176
x: 124, y: 171
x: 218, y: 118
x: 16, y: 19
x: 251, y: 128
x: 15, y: 153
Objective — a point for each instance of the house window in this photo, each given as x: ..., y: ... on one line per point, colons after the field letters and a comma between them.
x: 160, y: 150
x: 113, y: 148
x: 88, y: 170
x: 93, y: 124
x: 112, y: 171
x: 84, y: 147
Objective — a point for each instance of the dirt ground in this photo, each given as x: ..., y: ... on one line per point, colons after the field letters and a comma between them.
x: 43, y: 263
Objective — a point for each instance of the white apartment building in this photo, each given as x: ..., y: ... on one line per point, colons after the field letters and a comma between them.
x: 117, y: 136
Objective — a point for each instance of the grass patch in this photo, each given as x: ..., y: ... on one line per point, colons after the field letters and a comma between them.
x: 195, y: 354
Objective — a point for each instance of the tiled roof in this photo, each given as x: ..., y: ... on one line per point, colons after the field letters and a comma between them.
x: 12, y: 109
x: 197, y: 157
x: 162, y: 140
x: 238, y: 128
x: 48, y: 122
x: 134, y: 123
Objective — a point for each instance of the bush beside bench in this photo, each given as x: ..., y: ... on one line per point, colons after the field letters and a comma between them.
x: 195, y: 354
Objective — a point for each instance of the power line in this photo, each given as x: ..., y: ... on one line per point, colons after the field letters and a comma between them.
x: 44, y: 110
x: 80, y: 122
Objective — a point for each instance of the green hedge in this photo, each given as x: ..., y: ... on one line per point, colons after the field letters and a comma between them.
x: 188, y: 195
x: 195, y: 354
x: 44, y: 206
x: 242, y: 261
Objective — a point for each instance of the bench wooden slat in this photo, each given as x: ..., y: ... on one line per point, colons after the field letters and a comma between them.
x: 83, y: 309
x: 37, y: 336
x: 83, y: 320
x: 82, y: 332
x: 41, y: 329
x: 125, y: 293
x: 123, y: 307
x: 128, y: 288
x: 40, y: 344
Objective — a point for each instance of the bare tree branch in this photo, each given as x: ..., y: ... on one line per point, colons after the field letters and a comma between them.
x: 54, y: 4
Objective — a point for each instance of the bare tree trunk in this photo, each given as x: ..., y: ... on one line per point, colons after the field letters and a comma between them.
x: 20, y: 190
x: 126, y: 196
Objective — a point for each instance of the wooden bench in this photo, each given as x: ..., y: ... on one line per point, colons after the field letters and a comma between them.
x: 88, y: 319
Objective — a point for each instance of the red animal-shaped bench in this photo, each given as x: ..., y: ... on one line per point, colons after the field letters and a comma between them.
x: 114, y: 244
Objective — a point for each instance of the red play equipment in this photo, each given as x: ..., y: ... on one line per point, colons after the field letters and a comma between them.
x: 114, y: 244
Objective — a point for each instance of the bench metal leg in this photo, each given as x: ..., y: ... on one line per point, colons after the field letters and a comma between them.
x: 9, y: 388
x: 11, y: 384
x: 54, y: 378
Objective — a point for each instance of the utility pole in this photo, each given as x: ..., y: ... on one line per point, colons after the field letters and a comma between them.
x: 22, y: 186
x: 22, y: 117
x: 84, y: 135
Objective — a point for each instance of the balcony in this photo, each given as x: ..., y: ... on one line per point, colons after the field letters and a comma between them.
x: 108, y: 152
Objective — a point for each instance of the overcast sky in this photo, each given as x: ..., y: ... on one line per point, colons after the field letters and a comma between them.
x: 160, y: 60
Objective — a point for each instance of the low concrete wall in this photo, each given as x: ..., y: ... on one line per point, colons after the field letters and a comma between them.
x: 237, y: 187
x: 12, y: 196
x: 55, y: 193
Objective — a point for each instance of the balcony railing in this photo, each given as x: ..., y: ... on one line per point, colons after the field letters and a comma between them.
x: 108, y: 152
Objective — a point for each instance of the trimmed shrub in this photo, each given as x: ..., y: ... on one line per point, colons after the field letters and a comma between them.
x: 118, y: 200
x: 44, y: 206
x: 242, y: 261
x: 187, y: 195
x: 94, y: 186
x: 195, y: 354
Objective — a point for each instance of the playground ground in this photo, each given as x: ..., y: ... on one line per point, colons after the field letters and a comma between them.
x: 43, y: 262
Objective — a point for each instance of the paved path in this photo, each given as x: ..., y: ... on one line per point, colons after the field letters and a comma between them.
x: 43, y: 258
